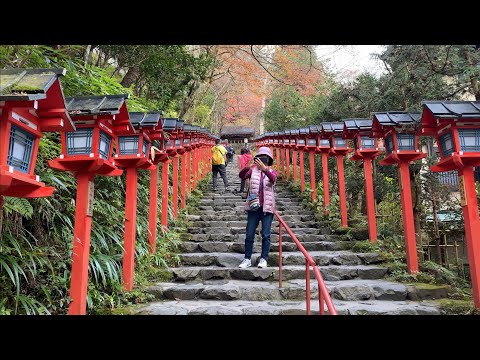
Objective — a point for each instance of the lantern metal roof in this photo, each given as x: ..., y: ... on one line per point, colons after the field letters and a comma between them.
x: 382, y: 121
x: 396, y: 118
x: 180, y: 124
x: 315, y: 129
x: 358, y: 124
x: 169, y: 124
x: 27, y: 84
x: 95, y: 105
x: 453, y: 109
x: 140, y: 119
x: 332, y: 127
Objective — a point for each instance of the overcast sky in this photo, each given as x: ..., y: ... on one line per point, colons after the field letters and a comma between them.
x: 348, y: 61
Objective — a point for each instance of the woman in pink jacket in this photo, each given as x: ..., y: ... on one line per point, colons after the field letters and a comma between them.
x: 262, y: 184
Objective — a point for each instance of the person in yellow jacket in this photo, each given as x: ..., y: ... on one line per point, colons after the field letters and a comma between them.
x: 218, y: 164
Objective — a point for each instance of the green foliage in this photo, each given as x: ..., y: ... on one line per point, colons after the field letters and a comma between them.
x: 365, y: 247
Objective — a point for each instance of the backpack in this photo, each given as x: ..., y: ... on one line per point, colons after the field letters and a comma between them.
x: 217, y: 157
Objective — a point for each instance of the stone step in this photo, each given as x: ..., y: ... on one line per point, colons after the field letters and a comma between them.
x: 273, y: 237
x: 340, y: 272
x: 346, y: 290
x: 289, y: 219
x: 242, y: 230
x: 235, y: 214
x: 239, y: 246
x: 321, y: 258
x: 242, y: 222
x: 285, y: 307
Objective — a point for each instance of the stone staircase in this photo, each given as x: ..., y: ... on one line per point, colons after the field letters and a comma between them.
x: 210, y: 282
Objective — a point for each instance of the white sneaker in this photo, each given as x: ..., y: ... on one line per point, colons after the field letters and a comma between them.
x: 245, y: 263
x: 262, y: 263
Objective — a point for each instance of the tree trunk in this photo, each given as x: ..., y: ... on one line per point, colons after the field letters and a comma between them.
x: 187, y: 104
x: 473, y: 77
x: 130, y: 77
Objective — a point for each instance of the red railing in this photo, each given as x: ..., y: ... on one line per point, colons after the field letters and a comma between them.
x: 323, y: 295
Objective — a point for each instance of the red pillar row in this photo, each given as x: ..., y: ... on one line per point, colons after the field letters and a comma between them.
x: 128, y: 267
x: 311, y: 155
x: 287, y: 151
x: 342, y: 190
x: 165, y: 194
x: 294, y: 166
x: 183, y: 182
x: 175, y: 186
x: 302, y: 171
x: 326, y: 194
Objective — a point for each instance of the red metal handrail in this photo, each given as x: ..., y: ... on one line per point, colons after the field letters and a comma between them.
x: 323, y: 295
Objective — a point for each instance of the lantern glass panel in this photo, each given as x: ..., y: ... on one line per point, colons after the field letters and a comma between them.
x: 312, y: 142
x: 104, y: 145
x: 389, y: 144
x: 185, y: 141
x: 324, y: 142
x: 406, y: 141
x: 286, y: 141
x: 177, y: 143
x: 20, y: 149
x: 128, y: 145
x: 79, y: 142
x: 145, y: 147
x: 340, y: 142
x: 301, y: 141
x: 293, y: 141
x: 469, y: 140
x: 367, y: 142
x: 446, y: 144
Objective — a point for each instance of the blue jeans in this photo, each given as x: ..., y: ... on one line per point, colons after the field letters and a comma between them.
x: 253, y: 218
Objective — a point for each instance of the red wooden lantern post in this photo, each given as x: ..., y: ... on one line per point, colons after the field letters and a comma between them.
x: 276, y: 146
x: 169, y: 127
x: 195, y: 145
x: 133, y: 153
x: 159, y: 155
x: 301, y: 144
x: 87, y: 152
x: 398, y: 129
x: 178, y: 139
x: 338, y: 148
x: 313, y: 136
x: 323, y: 147
x: 286, y: 144
x: 293, y: 145
x: 456, y: 127
x: 185, y: 168
x: 366, y: 149
x: 281, y: 149
x: 31, y: 102
x: 202, y: 133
